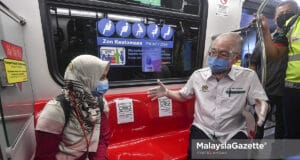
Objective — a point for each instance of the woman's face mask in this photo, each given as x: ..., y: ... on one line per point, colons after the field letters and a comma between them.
x: 218, y: 64
x: 101, y: 87
x: 281, y: 19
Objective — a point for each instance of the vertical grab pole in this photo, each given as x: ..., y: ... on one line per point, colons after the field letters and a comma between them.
x: 2, y: 120
x: 261, y: 40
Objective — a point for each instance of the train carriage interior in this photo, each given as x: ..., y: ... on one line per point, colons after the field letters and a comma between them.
x: 166, y: 40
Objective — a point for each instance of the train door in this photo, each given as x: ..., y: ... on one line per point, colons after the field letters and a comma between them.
x: 16, y: 97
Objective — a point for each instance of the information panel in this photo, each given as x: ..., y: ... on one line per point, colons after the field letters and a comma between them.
x: 16, y: 71
x: 137, y: 44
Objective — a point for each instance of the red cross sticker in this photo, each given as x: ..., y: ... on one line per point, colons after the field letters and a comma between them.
x: 223, y: 1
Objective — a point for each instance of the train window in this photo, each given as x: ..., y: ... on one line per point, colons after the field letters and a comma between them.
x: 185, y: 6
x: 139, y: 45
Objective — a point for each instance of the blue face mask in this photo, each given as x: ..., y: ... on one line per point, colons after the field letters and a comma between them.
x: 101, y: 87
x: 218, y: 64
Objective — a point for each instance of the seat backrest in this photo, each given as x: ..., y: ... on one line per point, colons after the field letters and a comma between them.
x: 146, y: 119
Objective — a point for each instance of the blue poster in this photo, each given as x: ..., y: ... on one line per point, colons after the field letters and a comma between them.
x: 106, y: 27
x: 123, y: 28
x: 139, y: 30
x: 153, y: 31
x: 151, y: 59
x: 166, y: 32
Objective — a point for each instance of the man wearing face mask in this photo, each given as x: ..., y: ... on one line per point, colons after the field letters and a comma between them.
x: 275, y: 69
x: 287, y: 43
x: 74, y: 125
x: 221, y: 92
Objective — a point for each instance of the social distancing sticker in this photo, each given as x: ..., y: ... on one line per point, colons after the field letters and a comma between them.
x: 124, y: 111
x: 165, y: 107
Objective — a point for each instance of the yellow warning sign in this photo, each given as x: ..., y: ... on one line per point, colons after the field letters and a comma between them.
x: 16, y: 71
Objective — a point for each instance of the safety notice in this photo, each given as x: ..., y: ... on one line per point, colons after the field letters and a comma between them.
x: 16, y: 71
x: 222, y: 8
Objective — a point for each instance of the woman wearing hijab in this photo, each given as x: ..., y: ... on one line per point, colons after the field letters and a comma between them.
x: 74, y: 125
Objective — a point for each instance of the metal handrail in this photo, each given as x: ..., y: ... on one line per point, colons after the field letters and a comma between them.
x: 257, y: 25
x: 12, y: 14
x: 261, y: 42
x: 249, y: 27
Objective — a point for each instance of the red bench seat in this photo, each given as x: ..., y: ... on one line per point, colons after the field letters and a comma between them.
x: 149, y: 137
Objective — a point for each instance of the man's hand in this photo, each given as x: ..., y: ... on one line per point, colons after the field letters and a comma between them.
x: 157, y: 92
x: 263, y: 20
x: 261, y: 109
x: 265, y: 23
x: 250, y: 124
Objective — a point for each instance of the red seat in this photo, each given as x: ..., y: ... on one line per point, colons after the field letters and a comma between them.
x: 149, y: 137
x: 38, y: 107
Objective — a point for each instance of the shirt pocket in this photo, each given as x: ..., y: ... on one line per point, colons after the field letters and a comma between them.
x: 233, y: 99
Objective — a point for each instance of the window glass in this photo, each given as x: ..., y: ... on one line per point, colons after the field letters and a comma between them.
x: 138, y: 47
x: 184, y: 6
